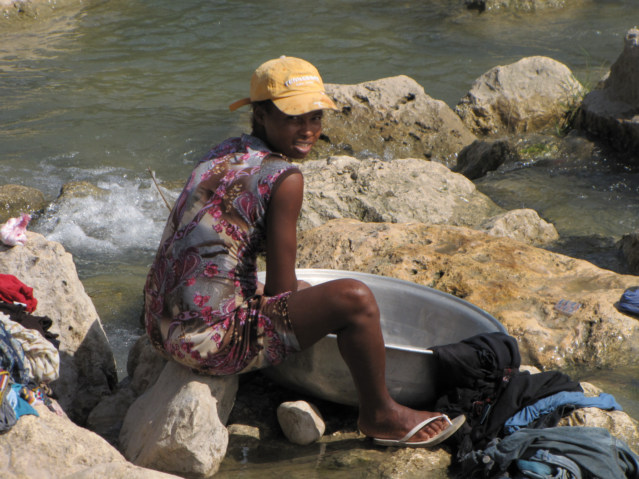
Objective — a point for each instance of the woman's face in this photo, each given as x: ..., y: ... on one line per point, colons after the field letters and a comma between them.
x: 292, y: 136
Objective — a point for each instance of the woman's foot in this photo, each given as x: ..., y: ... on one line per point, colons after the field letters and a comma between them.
x: 393, y: 426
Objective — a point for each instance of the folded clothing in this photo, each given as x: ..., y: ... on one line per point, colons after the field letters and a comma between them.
x: 41, y: 357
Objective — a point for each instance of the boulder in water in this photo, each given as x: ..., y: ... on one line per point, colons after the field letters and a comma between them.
x: 390, y: 118
x: 611, y: 112
x: 533, y: 94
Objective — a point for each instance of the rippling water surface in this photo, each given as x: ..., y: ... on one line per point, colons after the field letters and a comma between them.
x: 104, y: 90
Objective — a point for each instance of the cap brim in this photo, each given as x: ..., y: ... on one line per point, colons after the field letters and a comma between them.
x: 235, y: 105
x: 304, y: 103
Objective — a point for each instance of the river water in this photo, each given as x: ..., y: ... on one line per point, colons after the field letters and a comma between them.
x: 105, y: 90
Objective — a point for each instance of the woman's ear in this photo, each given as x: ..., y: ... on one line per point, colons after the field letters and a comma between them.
x: 259, y: 114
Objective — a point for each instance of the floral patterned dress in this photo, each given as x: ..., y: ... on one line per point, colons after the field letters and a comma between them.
x: 200, y: 303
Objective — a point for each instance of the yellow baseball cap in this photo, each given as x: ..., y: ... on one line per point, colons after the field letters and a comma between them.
x: 293, y: 84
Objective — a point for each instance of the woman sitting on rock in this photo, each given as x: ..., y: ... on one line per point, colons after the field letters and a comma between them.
x: 204, y: 305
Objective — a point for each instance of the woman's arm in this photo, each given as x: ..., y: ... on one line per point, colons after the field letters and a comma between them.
x: 281, y: 235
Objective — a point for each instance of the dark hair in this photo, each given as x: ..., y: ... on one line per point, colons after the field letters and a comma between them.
x: 267, y: 106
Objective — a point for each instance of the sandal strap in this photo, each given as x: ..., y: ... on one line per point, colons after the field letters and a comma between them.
x: 423, y: 424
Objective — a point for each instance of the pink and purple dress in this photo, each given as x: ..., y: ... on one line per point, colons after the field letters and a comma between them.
x: 201, y: 306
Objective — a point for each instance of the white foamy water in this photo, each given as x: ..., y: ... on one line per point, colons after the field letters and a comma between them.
x: 128, y: 215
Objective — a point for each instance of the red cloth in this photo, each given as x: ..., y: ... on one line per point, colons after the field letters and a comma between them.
x: 13, y: 290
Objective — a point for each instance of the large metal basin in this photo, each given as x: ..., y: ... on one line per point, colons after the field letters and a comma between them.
x: 413, y: 317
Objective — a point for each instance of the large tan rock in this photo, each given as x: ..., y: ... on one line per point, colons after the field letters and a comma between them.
x: 51, y: 446
x: 177, y: 425
x: 144, y: 366
x: 390, y: 118
x: 398, y: 191
x: 533, y: 94
x: 523, y: 225
x: 610, y: 112
x: 518, y: 284
x: 87, y: 367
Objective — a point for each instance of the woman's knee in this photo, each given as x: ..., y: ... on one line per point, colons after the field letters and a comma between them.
x: 356, y: 299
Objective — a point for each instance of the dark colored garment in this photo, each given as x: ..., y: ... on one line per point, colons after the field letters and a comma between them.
x: 480, y: 378
x: 629, y: 302
x: 522, y: 390
x: 472, y: 372
x: 12, y: 290
x: 17, y: 313
x: 598, y: 454
x: 476, y: 361
x: 552, y: 418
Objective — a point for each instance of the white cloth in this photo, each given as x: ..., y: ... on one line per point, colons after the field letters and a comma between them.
x: 13, y: 232
x: 42, y: 357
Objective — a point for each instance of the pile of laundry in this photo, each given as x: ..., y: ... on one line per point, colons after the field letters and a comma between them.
x: 29, y: 358
x: 512, y: 416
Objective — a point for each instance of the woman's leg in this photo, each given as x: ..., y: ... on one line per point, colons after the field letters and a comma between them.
x: 348, y: 308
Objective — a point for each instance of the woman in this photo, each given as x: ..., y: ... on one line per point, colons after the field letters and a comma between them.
x: 204, y: 306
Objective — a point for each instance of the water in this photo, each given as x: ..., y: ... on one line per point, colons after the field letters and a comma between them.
x: 104, y: 90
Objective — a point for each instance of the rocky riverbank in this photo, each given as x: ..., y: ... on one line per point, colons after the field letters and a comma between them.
x: 412, y: 218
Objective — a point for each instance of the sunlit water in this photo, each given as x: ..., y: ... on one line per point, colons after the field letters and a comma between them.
x: 105, y: 90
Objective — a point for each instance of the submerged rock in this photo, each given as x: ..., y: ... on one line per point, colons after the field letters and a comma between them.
x: 480, y: 157
x: 520, y: 5
x: 79, y: 189
x: 35, y: 9
x: 16, y: 199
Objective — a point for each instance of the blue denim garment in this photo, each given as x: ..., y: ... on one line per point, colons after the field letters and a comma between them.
x: 548, y: 404
x: 12, y: 356
x: 544, y: 465
x: 534, y: 469
x: 593, y: 449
